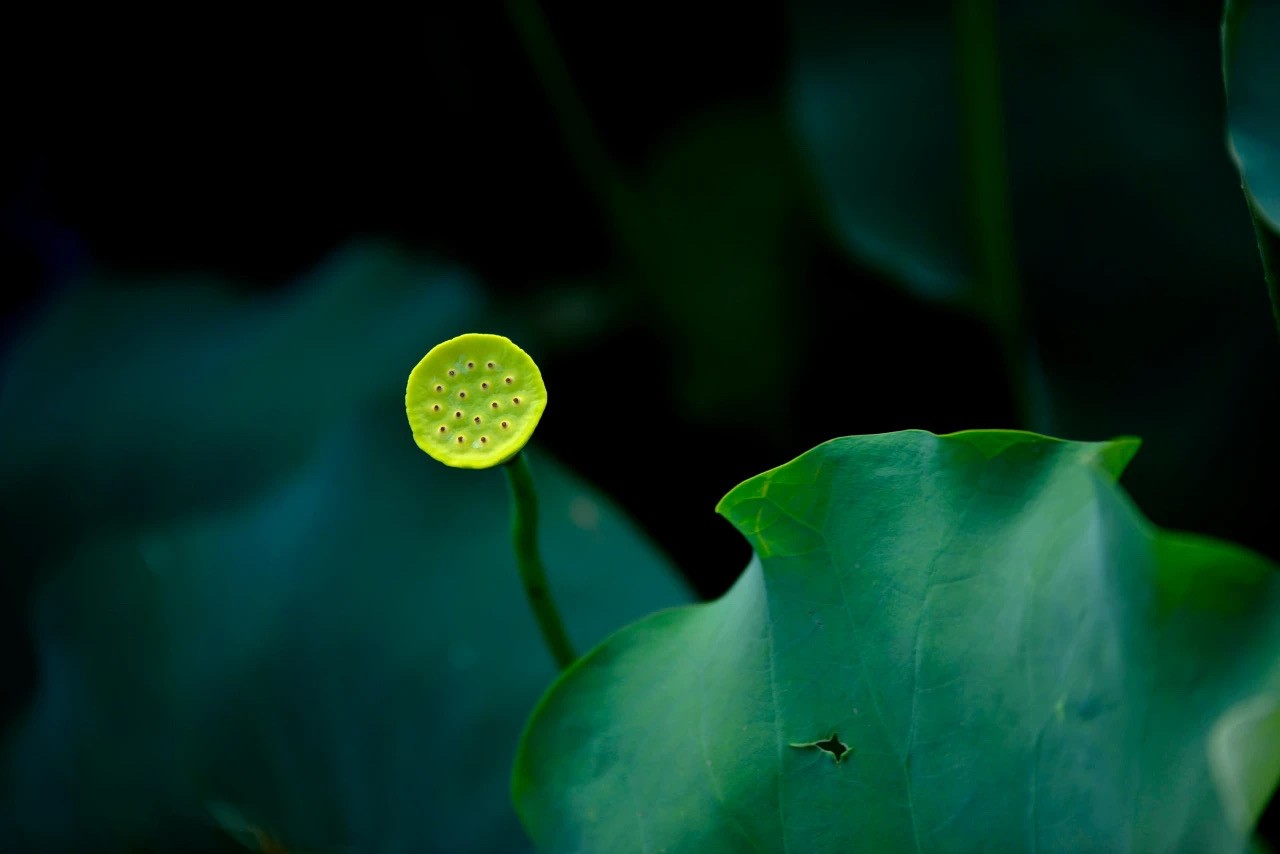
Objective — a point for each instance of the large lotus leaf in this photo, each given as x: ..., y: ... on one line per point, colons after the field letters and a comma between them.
x: 1012, y: 656
x: 334, y: 649
x: 1251, y: 69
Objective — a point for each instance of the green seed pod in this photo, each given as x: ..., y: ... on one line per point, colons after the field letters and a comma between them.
x: 474, y: 400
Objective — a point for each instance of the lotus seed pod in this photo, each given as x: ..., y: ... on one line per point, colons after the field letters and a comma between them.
x: 474, y: 401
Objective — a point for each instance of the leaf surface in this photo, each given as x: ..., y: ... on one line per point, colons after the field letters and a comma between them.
x: 1014, y: 658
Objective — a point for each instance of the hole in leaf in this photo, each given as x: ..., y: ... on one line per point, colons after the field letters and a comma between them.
x: 833, y: 745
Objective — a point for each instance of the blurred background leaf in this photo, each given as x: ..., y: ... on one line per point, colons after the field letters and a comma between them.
x: 262, y: 594
x: 1135, y: 257
x: 1250, y: 67
x: 874, y: 98
x: 721, y: 201
x: 134, y: 378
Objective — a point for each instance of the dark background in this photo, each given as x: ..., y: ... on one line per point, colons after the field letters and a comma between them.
x: 697, y: 288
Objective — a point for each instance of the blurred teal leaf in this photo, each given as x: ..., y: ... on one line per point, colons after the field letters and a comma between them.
x: 874, y: 98
x: 706, y: 232
x: 1138, y: 271
x: 1251, y: 69
x: 336, y: 649
x: 1103, y: 113
x: 1015, y: 658
x: 716, y: 225
x: 154, y: 398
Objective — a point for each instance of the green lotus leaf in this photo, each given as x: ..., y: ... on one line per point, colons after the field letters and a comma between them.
x: 998, y: 651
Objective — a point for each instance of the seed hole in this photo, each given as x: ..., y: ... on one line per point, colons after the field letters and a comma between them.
x: 484, y: 440
x: 476, y: 419
x: 516, y: 401
x: 462, y: 395
x: 458, y: 414
x: 505, y: 425
x: 470, y: 365
x: 439, y: 388
x: 508, y: 381
x: 494, y: 404
x: 484, y: 386
x: 490, y: 366
x: 461, y: 439
x: 442, y: 428
x: 435, y: 408
x: 452, y: 372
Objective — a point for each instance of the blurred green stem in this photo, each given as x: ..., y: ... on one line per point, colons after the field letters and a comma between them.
x: 598, y: 170
x: 998, y: 290
x: 524, y: 537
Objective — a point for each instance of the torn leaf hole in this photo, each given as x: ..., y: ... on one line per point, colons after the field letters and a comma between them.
x: 833, y: 745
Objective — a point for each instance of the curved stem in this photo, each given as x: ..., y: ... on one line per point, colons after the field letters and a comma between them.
x: 998, y: 288
x: 583, y: 140
x: 524, y: 538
